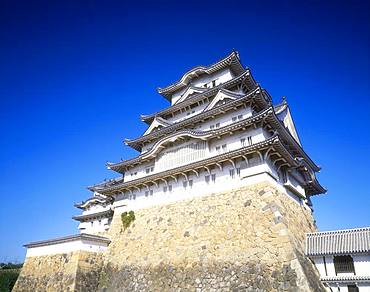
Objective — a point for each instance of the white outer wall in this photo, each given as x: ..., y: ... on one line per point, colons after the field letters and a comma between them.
x: 66, y: 247
x: 360, y: 261
x: 233, y: 143
x: 248, y: 176
x: 362, y: 268
x: 94, y: 226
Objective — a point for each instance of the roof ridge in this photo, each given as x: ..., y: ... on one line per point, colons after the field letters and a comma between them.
x: 338, y: 231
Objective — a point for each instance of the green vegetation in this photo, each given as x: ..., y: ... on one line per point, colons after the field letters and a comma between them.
x: 9, y: 273
x: 127, y: 218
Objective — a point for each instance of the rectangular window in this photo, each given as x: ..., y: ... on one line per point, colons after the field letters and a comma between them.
x: 232, y: 173
x: 233, y: 119
x: 165, y: 189
x: 213, y: 83
x: 151, y: 192
x: 344, y: 264
x: 147, y: 170
x: 218, y: 148
x: 213, y: 177
x: 240, y: 117
x: 238, y: 171
x: 146, y: 193
x: 242, y: 142
x: 207, y: 179
x: 190, y: 183
x: 185, y: 184
x: 353, y: 288
x: 170, y: 188
x: 249, y: 140
x: 212, y: 127
x: 217, y: 125
x: 224, y: 148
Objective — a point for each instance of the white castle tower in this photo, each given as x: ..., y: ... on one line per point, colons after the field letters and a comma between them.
x: 220, y: 132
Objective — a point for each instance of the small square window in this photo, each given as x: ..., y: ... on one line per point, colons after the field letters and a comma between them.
x: 212, y: 127
x: 240, y: 117
x: 233, y: 119
x: 217, y: 125
x: 344, y: 264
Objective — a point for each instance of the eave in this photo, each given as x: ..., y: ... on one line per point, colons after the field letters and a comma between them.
x: 274, y: 142
x: 103, y: 214
x: 82, y: 236
x: 121, y: 167
x: 258, y: 95
x: 246, y: 77
x: 295, y: 146
x: 231, y: 61
x: 96, y: 199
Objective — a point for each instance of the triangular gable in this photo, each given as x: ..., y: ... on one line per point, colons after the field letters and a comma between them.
x: 284, y: 115
x: 189, y: 91
x: 222, y: 95
x: 157, y: 122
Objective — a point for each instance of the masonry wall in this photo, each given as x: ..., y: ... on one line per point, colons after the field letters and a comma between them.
x: 250, y: 239
x: 75, y: 271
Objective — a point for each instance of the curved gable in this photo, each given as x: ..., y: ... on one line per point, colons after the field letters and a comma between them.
x: 157, y: 123
x: 221, y: 96
x: 189, y: 91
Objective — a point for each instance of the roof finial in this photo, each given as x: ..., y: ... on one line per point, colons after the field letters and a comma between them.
x: 284, y: 99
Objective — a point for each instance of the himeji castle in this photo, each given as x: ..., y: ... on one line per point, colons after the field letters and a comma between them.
x: 217, y: 199
x: 220, y: 132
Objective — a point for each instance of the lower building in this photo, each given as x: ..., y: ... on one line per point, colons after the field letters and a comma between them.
x: 342, y: 258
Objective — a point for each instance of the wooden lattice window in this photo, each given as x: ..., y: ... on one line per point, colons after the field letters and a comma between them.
x: 344, y: 264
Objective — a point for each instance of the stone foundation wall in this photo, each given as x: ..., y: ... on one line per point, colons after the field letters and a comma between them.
x: 249, y: 239
x: 77, y: 271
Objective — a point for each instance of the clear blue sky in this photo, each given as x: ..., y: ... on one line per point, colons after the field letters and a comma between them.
x: 76, y: 75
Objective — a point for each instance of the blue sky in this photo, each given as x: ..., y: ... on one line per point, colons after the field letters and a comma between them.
x: 76, y: 75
